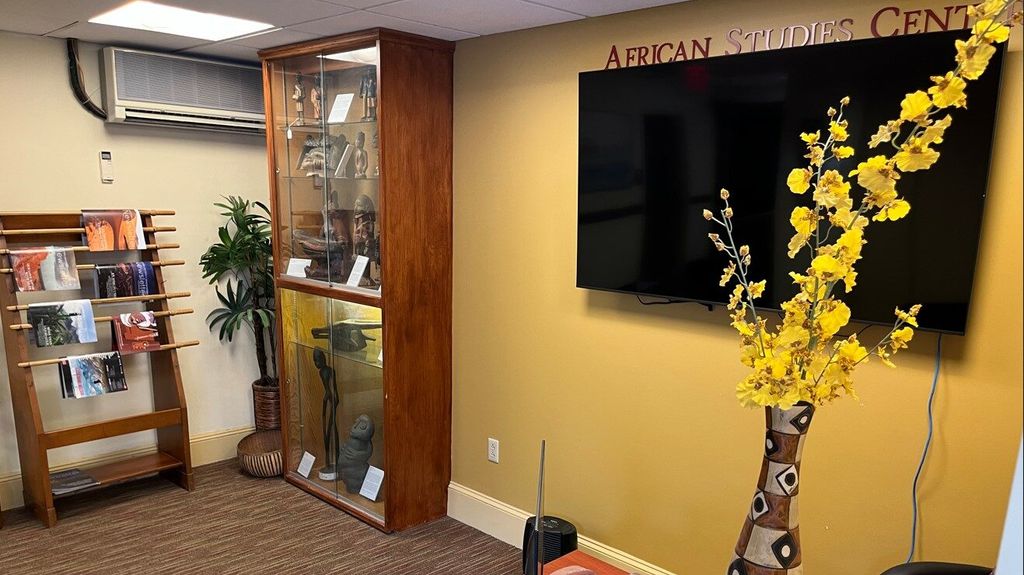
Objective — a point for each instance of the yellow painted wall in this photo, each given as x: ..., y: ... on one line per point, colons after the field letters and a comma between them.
x: 648, y: 450
x: 50, y: 148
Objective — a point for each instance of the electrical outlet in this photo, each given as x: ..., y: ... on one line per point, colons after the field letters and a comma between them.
x: 492, y: 450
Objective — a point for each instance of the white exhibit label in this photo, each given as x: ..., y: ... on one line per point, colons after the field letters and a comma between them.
x: 358, y: 269
x: 339, y: 111
x: 372, y: 482
x: 306, y: 464
x: 297, y: 267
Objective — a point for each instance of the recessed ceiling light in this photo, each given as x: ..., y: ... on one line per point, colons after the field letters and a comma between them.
x: 152, y: 17
x: 361, y: 56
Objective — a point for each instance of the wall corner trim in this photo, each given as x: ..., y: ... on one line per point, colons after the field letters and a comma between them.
x: 505, y: 523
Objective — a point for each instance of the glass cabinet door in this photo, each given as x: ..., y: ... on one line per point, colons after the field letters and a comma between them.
x: 327, y: 152
x: 335, y: 397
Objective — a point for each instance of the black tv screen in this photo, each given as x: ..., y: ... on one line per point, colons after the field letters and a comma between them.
x: 656, y: 143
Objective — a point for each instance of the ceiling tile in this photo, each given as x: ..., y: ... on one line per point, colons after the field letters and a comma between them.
x: 275, y: 38
x: 229, y: 51
x: 42, y: 16
x: 362, y: 20
x: 477, y: 16
x: 276, y: 12
x: 117, y: 36
x: 603, y: 7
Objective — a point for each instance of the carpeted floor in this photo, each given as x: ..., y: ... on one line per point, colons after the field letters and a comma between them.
x: 234, y: 524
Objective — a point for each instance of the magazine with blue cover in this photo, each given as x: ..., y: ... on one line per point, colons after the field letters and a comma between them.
x: 62, y: 323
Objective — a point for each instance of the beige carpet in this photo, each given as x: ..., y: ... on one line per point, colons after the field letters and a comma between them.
x: 234, y: 524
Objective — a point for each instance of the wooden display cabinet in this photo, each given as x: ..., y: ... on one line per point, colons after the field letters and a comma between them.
x: 359, y: 141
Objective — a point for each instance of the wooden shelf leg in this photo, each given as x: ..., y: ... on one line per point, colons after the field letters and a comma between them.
x: 180, y: 477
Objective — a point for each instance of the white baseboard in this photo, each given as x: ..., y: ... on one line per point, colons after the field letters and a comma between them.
x: 206, y: 448
x: 505, y: 523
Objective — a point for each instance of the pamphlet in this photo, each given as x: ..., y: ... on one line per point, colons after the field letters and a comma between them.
x: 372, y: 482
x: 125, y: 279
x: 358, y: 269
x: 113, y: 230
x: 64, y: 482
x: 136, y: 332
x: 45, y: 268
x: 306, y: 464
x: 339, y: 111
x: 297, y: 267
x: 92, y: 375
x: 62, y: 323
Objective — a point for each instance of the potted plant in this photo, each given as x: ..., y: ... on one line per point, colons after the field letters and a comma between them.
x: 802, y: 362
x: 244, y: 256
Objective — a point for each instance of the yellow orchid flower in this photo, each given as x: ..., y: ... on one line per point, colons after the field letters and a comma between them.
x: 948, y: 91
x: 915, y: 155
x: 838, y: 130
x: 991, y: 31
x: 914, y: 106
x: 973, y: 57
x: 799, y: 180
x: 892, y: 211
x: 811, y: 138
x: 843, y: 152
x: 876, y: 174
x: 935, y: 131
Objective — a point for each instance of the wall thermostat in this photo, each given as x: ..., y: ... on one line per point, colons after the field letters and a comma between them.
x: 106, y: 167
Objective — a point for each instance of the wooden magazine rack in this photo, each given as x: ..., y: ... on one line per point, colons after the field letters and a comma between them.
x: 169, y: 418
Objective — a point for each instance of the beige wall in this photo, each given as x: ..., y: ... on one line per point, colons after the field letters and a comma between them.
x: 649, y: 452
x: 50, y: 147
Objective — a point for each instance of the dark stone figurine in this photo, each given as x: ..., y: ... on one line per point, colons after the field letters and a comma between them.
x: 329, y: 417
x: 346, y: 335
x: 355, y: 455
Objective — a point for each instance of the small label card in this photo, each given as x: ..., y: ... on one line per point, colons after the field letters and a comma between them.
x: 339, y: 111
x: 306, y: 465
x: 372, y: 483
x: 358, y: 269
x: 297, y: 267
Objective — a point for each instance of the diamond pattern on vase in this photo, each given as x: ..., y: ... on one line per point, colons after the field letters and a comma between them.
x: 793, y: 421
x: 780, y: 511
x: 759, y: 506
x: 785, y: 549
x: 761, y: 549
x: 779, y: 478
x: 783, y: 447
x: 802, y: 419
x: 788, y: 479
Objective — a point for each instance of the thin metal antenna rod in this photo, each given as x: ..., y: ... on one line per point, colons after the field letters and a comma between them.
x: 539, y: 525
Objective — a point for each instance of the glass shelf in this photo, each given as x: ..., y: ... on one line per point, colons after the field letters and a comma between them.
x: 329, y: 173
x: 335, y: 394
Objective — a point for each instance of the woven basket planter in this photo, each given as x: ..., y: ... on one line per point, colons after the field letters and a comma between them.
x: 259, y: 454
x: 266, y: 401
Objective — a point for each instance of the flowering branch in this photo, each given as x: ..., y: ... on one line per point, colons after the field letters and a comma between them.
x: 801, y: 359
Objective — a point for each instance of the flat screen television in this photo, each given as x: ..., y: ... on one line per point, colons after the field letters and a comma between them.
x: 656, y: 143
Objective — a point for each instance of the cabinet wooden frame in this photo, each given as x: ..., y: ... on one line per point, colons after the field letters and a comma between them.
x: 414, y: 79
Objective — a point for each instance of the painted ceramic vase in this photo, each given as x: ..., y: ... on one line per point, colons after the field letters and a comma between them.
x: 769, y: 543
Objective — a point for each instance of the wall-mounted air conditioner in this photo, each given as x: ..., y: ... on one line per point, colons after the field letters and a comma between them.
x: 175, y: 91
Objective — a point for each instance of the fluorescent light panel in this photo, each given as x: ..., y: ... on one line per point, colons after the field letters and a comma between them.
x: 361, y: 56
x: 153, y: 17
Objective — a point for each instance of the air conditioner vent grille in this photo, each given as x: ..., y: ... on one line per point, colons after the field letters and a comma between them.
x: 146, y: 77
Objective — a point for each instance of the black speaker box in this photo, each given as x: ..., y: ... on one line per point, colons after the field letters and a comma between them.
x: 559, y: 539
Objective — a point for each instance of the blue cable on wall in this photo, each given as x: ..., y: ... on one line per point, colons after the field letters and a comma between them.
x: 927, y: 445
